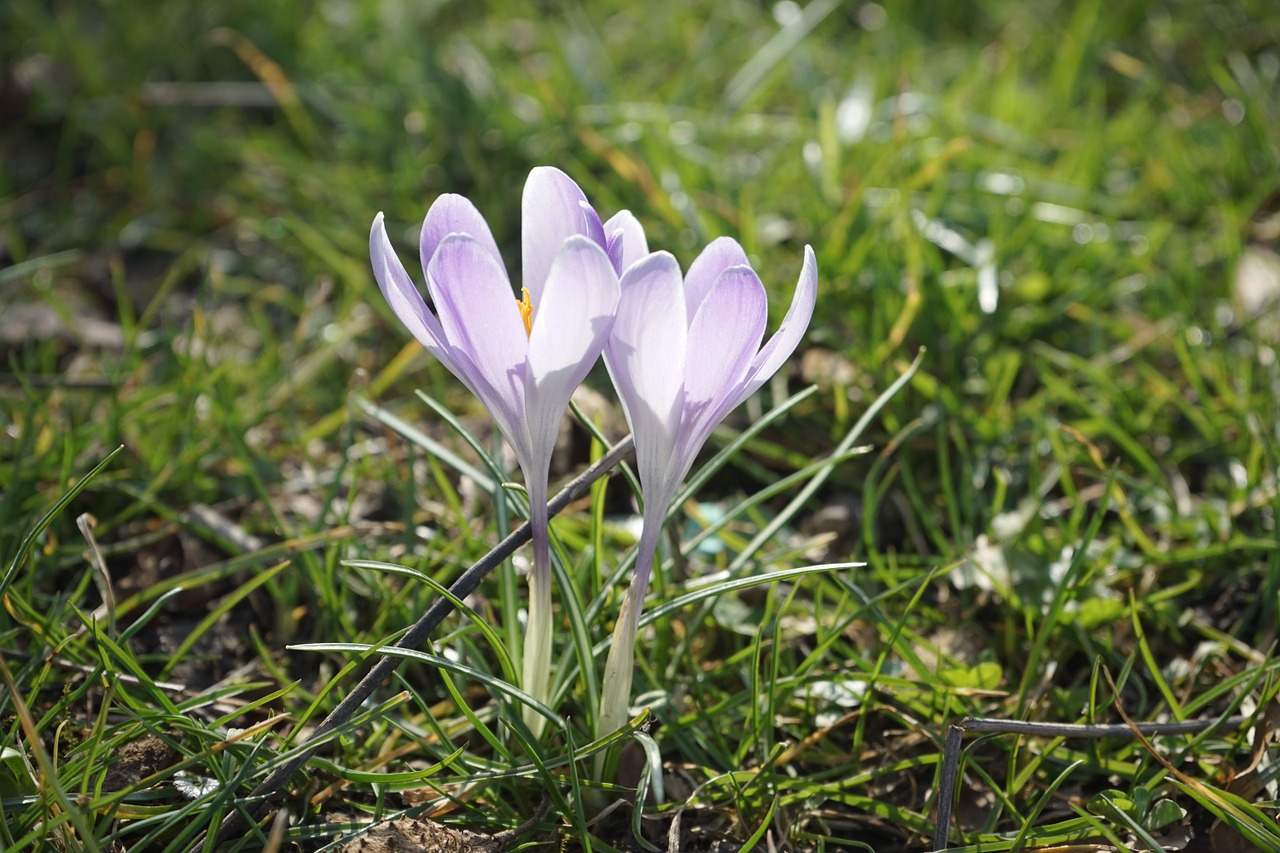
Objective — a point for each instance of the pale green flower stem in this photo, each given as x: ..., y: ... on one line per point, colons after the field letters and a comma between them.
x: 615, y: 693
x: 537, y: 642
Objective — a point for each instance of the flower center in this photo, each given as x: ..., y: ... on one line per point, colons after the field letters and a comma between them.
x: 526, y: 311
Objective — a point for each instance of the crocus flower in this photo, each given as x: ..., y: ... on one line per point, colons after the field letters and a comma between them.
x: 523, y: 358
x: 683, y: 353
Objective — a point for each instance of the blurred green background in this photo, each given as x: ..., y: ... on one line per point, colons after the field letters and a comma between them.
x: 1054, y: 165
x: 983, y: 180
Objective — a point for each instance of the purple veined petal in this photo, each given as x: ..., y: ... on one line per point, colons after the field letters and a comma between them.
x: 570, y: 327
x: 785, y: 340
x: 408, y: 305
x: 645, y: 355
x: 592, y: 227
x: 720, y: 254
x: 403, y: 295
x: 550, y: 213
x: 724, y: 336
x: 507, y: 411
x: 613, y: 248
x: 479, y: 316
x: 453, y: 214
x: 625, y: 240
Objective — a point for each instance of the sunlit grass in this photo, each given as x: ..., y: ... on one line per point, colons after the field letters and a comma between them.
x: 1079, y: 481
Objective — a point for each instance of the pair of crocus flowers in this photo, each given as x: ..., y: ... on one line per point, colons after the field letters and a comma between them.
x: 682, y: 350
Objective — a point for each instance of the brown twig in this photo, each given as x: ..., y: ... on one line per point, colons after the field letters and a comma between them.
x: 950, y: 775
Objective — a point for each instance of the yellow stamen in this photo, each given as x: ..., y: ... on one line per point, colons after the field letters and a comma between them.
x: 526, y: 311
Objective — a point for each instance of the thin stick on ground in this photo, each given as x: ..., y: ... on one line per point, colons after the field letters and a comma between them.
x: 417, y: 633
x: 950, y: 775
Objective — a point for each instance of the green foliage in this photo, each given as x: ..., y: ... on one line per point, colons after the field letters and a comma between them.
x: 1070, y: 207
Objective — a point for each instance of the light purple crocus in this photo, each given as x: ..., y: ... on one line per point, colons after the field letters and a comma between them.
x: 683, y: 353
x: 522, y: 358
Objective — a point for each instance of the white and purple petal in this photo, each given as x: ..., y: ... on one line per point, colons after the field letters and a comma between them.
x: 403, y: 295
x: 720, y: 254
x: 570, y: 327
x: 592, y: 227
x: 478, y: 314
x: 551, y: 211
x: 646, y: 360
x: 724, y: 336
x: 453, y: 214
x: 625, y: 240
x: 785, y: 340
